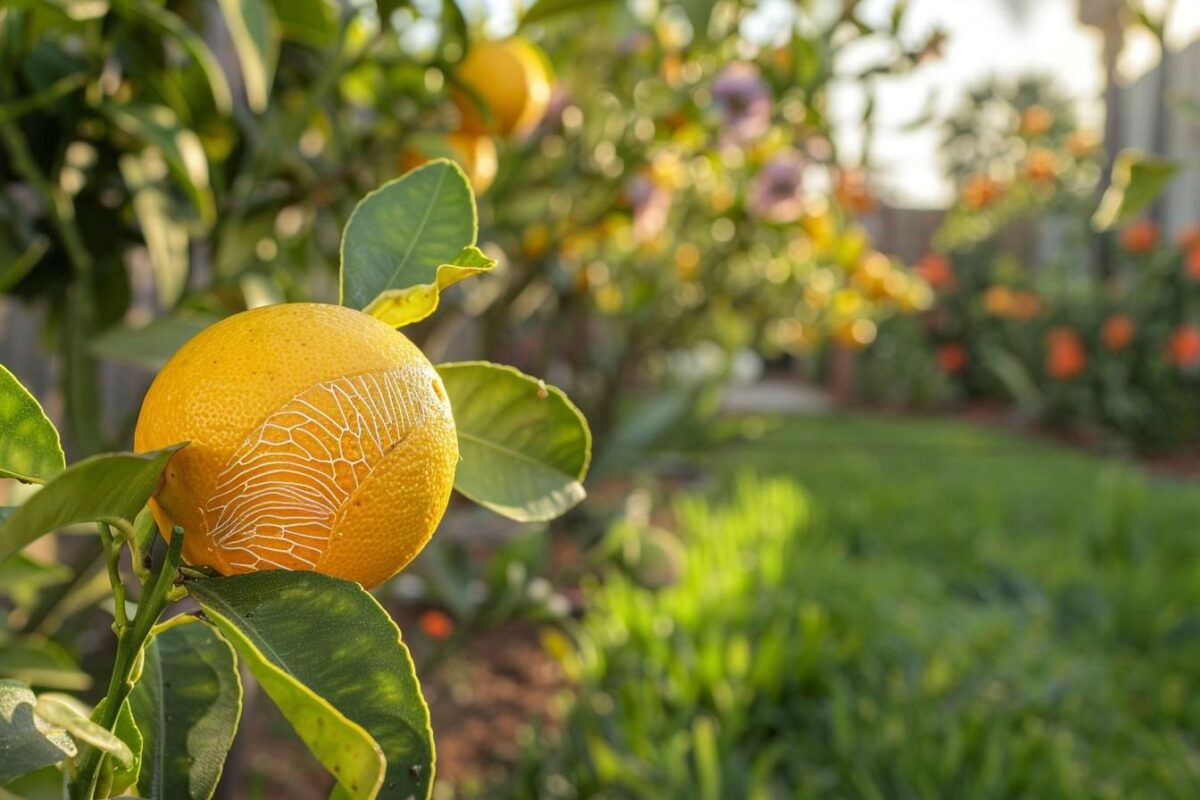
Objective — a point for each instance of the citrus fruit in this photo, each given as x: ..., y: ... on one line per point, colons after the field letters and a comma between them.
x: 512, y: 78
x: 320, y: 439
x: 476, y: 154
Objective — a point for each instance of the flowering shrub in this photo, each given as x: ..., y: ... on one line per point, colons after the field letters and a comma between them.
x: 1095, y: 329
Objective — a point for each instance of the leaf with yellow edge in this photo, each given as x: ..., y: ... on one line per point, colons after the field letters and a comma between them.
x: 407, y: 240
x: 400, y: 307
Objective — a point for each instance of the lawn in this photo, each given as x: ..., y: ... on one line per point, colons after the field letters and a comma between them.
x: 877, y: 608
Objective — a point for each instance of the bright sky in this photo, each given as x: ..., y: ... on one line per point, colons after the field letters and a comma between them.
x: 988, y: 37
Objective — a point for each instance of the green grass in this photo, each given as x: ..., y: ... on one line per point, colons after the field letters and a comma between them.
x: 940, y: 612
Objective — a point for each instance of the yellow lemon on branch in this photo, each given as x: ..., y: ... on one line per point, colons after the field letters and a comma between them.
x: 320, y: 439
x: 512, y: 79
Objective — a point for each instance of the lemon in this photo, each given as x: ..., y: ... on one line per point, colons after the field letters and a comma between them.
x: 512, y: 78
x: 320, y: 439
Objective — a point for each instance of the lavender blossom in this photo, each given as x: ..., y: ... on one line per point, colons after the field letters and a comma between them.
x: 651, y: 203
x: 776, y: 193
x: 744, y: 102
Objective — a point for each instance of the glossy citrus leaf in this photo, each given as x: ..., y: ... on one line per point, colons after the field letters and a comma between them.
x: 151, y: 345
x: 64, y: 711
x: 332, y: 660
x: 29, y: 447
x: 1137, y: 181
x: 27, y: 742
x: 111, y: 488
x: 525, y: 448
x: 189, y: 676
x: 400, y: 307
x: 400, y: 235
x: 255, y: 33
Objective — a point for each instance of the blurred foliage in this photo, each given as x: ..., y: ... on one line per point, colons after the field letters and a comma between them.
x: 683, y: 191
x: 940, y: 612
x: 664, y: 175
x: 1093, y: 330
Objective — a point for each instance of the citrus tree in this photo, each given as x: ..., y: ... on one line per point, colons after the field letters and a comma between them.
x: 684, y: 194
x: 290, y: 456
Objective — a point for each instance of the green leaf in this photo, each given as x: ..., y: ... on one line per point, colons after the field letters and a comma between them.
x: 525, y: 447
x: 36, y: 661
x: 111, y: 487
x: 27, y: 742
x: 64, y: 711
x: 1137, y: 181
x: 402, y: 234
x: 121, y: 776
x: 454, y: 24
x: 159, y: 128
x: 170, y: 24
x: 310, y: 22
x: 545, y: 9
x: 190, y: 678
x: 255, y: 33
x: 145, y: 530
x: 399, y: 307
x: 151, y: 345
x: 165, y: 234
x: 30, y: 450
x: 332, y: 660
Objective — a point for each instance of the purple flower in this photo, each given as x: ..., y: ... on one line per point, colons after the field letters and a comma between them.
x: 651, y: 204
x: 744, y: 101
x: 776, y: 193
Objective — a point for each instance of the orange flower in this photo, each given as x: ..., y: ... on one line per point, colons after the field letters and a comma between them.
x: 1191, y: 263
x: 1118, y: 332
x: 852, y: 191
x: 1189, y: 237
x: 1184, y: 346
x: 1041, y: 166
x: 998, y: 301
x: 1036, y: 120
x: 1024, y: 305
x: 1065, y: 355
x: 436, y: 624
x: 952, y: 358
x: 979, y: 191
x: 1140, y: 237
x: 938, y: 272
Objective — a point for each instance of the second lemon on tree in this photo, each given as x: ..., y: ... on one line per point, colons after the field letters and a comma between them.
x: 505, y: 92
